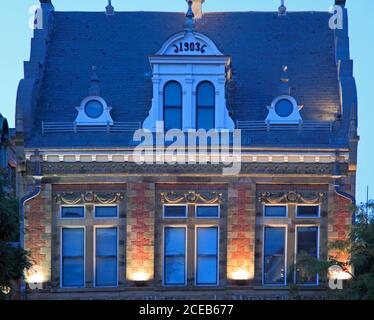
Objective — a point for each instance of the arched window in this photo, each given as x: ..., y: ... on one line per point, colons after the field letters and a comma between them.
x: 205, y: 106
x: 173, y: 105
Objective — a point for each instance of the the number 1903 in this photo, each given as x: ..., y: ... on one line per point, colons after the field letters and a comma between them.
x: 189, y: 47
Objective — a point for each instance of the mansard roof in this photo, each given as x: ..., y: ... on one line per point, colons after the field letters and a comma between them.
x: 259, y: 44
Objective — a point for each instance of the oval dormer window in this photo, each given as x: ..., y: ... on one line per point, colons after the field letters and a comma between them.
x: 94, y: 109
x: 284, y: 108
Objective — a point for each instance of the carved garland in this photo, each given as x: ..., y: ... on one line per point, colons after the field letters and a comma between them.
x: 73, y: 198
x: 290, y: 197
x: 190, y: 197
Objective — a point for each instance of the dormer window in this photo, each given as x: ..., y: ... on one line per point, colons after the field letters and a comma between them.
x: 173, y: 105
x: 205, y: 106
x: 94, y: 109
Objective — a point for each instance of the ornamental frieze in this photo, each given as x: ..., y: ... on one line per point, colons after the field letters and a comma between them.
x: 190, y: 197
x: 73, y: 198
x: 291, y: 197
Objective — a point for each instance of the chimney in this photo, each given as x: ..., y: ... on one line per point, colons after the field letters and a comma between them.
x: 340, y: 2
x: 197, y: 8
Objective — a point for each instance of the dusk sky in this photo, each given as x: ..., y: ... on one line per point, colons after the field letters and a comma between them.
x: 15, y: 36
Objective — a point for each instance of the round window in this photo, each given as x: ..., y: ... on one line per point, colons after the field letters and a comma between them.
x: 94, y: 109
x: 284, y: 108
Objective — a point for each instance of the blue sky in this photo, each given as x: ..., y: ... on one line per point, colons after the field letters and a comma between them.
x: 15, y: 37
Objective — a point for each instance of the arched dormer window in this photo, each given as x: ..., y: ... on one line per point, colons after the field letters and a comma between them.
x: 205, y: 106
x: 173, y: 105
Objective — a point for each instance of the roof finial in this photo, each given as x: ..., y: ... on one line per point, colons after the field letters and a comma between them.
x: 94, y: 87
x: 284, y: 88
x: 109, y: 9
x: 282, y: 10
x: 189, y: 25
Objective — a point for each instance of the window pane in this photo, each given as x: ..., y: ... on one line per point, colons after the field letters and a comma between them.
x: 73, y: 257
x: 106, y: 212
x: 207, y: 255
x: 205, y: 95
x: 106, y: 256
x: 274, y: 255
x: 175, y: 211
x: 73, y: 242
x: 72, y: 212
x: 275, y: 211
x: 307, y: 244
x: 173, y: 118
x: 174, y: 259
x: 307, y: 211
x: 207, y: 211
x: 173, y: 94
x: 106, y: 241
x: 106, y: 271
x: 205, y: 118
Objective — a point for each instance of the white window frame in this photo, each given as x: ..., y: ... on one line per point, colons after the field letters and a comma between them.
x: 318, y: 253
x: 275, y: 205
x: 105, y: 205
x: 94, y: 254
x: 185, y: 227
x: 174, y: 205
x: 73, y: 206
x: 218, y: 255
x: 308, y: 217
x: 84, y: 256
x: 208, y: 205
x: 285, y: 226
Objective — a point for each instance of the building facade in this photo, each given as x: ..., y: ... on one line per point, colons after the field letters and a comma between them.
x: 102, y: 221
x: 8, y: 152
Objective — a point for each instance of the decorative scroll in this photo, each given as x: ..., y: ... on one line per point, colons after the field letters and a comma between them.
x: 190, y: 197
x: 290, y: 197
x: 73, y: 198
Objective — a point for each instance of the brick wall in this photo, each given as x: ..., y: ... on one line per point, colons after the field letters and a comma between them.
x: 140, y: 229
x: 241, y: 229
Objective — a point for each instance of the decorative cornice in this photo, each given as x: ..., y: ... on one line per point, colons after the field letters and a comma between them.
x: 291, y: 197
x: 73, y: 198
x: 190, y: 197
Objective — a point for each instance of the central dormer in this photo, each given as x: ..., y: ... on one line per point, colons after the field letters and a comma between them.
x: 189, y: 76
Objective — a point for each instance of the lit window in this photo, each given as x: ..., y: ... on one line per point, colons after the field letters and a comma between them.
x: 175, y: 256
x: 207, y: 211
x: 175, y: 211
x: 94, y: 109
x: 284, y: 108
x: 307, y: 211
x: 205, y: 106
x: 106, y: 257
x: 276, y: 211
x: 72, y: 212
x: 73, y: 257
x: 172, y: 106
x: 207, y: 256
x: 274, y: 256
x: 106, y: 211
x: 307, y: 245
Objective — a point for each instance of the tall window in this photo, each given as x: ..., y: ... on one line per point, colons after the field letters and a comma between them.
x: 207, y: 256
x: 173, y: 105
x: 205, y: 106
x: 106, y: 257
x: 274, y: 255
x: 72, y: 257
x: 307, y: 245
x: 175, y: 256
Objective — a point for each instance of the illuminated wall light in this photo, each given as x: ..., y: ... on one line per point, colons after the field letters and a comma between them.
x: 240, y: 275
x: 140, y: 276
x: 336, y: 272
x: 35, y: 278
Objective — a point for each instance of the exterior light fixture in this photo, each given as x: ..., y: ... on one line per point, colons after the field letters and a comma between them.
x: 140, y: 278
x: 240, y: 277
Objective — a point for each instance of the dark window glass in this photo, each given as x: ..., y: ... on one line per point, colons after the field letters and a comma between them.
x: 284, y: 108
x: 94, y: 109
x: 106, y: 257
x: 73, y: 257
x: 175, y: 256
x: 173, y: 106
x: 205, y: 111
x: 307, y: 211
x: 207, y: 256
x: 275, y: 211
x: 274, y: 255
x: 72, y: 212
x: 175, y: 211
x: 106, y: 212
x: 307, y: 244
x: 207, y: 211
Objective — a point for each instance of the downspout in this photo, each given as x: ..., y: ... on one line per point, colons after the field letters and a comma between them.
x: 22, y: 203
